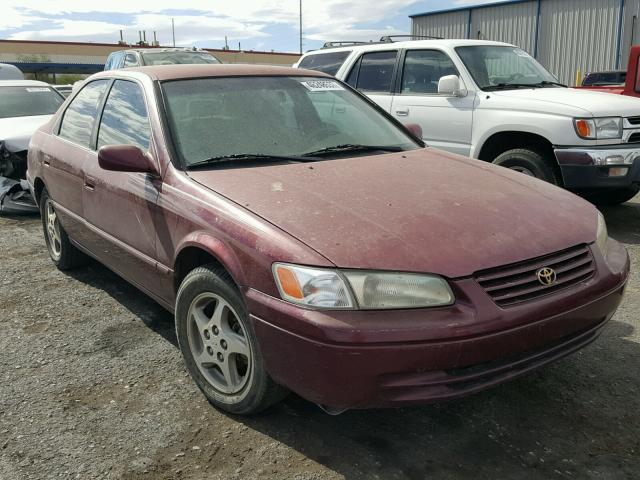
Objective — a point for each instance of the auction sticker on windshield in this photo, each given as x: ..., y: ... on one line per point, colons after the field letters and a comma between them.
x: 322, y: 85
x: 37, y: 89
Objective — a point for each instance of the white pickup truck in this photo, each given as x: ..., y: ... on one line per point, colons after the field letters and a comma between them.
x: 494, y: 102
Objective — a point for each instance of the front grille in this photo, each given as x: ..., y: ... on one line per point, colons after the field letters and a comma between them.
x: 519, y: 282
x: 634, y: 138
x: 633, y: 120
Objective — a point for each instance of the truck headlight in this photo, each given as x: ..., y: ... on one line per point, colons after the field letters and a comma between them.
x: 602, y: 235
x: 599, y: 128
x: 353, y: 289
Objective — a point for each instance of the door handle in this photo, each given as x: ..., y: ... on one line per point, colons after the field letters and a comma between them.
x: 47, y: 160
x: 402, y: 113
x: 89, y: 183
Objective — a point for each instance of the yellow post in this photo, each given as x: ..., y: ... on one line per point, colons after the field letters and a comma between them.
x: 578, y: 78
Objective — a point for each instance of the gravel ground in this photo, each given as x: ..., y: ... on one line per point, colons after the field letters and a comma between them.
x: 93, y: 386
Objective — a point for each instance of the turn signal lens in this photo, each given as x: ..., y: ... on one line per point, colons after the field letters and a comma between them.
x: 289, y: 282
x: 585, y: 128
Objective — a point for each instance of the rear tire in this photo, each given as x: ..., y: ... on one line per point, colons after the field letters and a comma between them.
x: 612, y: 196
x: 530, y: 163
x: 219, y: 344
x: 63, y: 254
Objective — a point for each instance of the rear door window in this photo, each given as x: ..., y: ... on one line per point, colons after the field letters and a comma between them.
x: 124, y: 119
x: 80, y: 116
x: 329, y: 62
x: 375, y: 71
x: 423, y: 69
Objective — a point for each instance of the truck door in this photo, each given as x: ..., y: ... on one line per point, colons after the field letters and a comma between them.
x: 446, y: 121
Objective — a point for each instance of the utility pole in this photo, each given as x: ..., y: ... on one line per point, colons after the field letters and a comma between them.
x: 300, y: 27
x: 173, y: 32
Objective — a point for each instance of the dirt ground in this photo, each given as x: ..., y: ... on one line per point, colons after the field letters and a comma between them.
x: 93, y: 387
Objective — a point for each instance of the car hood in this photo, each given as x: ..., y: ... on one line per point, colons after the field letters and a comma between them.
x: 16, y: 132
x: 419, y: 211
x: 573, y: 101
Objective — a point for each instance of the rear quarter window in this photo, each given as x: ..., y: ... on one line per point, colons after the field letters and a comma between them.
x: 80, y: 116
x: 329, y: 62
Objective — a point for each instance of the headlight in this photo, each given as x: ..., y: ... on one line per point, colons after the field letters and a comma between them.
x: 352, y: 289
x: 599, y: 128
x: 602, y: 235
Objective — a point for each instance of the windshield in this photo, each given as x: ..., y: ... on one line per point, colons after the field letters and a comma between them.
x: 174, y: 57
x: 28, y: 101
x: 492, y: 66
x: 278, y: 116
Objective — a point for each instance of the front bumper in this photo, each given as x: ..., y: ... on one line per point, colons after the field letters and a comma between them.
x: 355, y: 359
x: 592, y: 167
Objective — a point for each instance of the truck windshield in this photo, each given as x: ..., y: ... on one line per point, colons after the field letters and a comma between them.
x: 502, y: 67
x: 222, y: 118
x: 174, y: 57
x: 28, y: 101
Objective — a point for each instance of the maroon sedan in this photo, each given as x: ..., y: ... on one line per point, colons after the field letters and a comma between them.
x: 306, y: 241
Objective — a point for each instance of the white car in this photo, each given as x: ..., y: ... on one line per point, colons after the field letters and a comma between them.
x: 25, y: 105
x: 494, y: 102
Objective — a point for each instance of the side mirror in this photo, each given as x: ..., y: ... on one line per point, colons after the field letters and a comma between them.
x: 414, y: 129
x: 125, y: 158
x: 450, y: 86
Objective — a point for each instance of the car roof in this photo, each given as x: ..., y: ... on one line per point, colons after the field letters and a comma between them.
x: 23, y: 83
x: 377, y: 46
x: 163, y: 49
x: 177, y: 72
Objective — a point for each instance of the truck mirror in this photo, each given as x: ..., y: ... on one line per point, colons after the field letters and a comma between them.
x: 450, y: 86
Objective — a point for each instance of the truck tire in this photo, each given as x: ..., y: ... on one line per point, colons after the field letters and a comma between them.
x: 612, y: 196
x: 530, y: 163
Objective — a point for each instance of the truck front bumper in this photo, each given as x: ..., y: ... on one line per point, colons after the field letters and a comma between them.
x: 611, y: 166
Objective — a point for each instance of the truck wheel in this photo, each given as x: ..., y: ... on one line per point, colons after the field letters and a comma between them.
x: 530, y: 163
x: 612, y: 196
x: 64, y: 255
x: 219, y: 345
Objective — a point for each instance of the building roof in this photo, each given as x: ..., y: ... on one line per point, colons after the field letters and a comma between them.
x: 469, y: 7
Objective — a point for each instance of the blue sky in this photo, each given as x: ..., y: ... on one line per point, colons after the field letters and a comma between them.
x: 256, y: 24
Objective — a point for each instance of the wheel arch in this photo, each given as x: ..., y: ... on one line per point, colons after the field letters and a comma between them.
x: 38, y: 188
x: 500, y: 142
x: 203, y: 249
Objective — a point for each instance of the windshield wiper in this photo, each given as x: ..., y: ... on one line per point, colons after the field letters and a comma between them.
x: 509, y: 86
x: 248, y: 156
x: 350, y: 147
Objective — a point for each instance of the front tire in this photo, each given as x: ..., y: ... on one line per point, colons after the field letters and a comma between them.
x: 530, y: 163
x: 63, y: 254
x: 612, y: 197
x: 219, y: 344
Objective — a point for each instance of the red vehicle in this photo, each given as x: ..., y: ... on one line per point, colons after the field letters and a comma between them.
x: 631, y: 85
x: 307, y: 241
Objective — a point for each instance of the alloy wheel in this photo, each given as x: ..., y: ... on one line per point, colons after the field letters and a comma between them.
x: 53, y: 231
x: 218, y: 343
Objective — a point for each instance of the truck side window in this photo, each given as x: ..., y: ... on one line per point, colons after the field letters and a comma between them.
x: 325, y: 62
x: 423, y: 69
x: 130, y: 60
x: 376, y: 71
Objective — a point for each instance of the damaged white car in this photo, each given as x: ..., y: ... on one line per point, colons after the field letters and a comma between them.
x: 25, y: 105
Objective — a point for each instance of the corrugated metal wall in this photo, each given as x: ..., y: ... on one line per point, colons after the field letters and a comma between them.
x: 509, y: 23
x: 447, y: 25
x: 572, y: 34
x: 578, y: 35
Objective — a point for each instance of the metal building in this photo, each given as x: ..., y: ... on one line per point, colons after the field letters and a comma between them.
x: 567, y: 36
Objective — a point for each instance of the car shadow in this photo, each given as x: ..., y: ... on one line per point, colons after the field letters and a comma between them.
x: 623, y: 221
x: 145, y: 308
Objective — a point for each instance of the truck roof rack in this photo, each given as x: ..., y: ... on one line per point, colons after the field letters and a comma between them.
x: 346, y: 43
x: 390, y: 38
